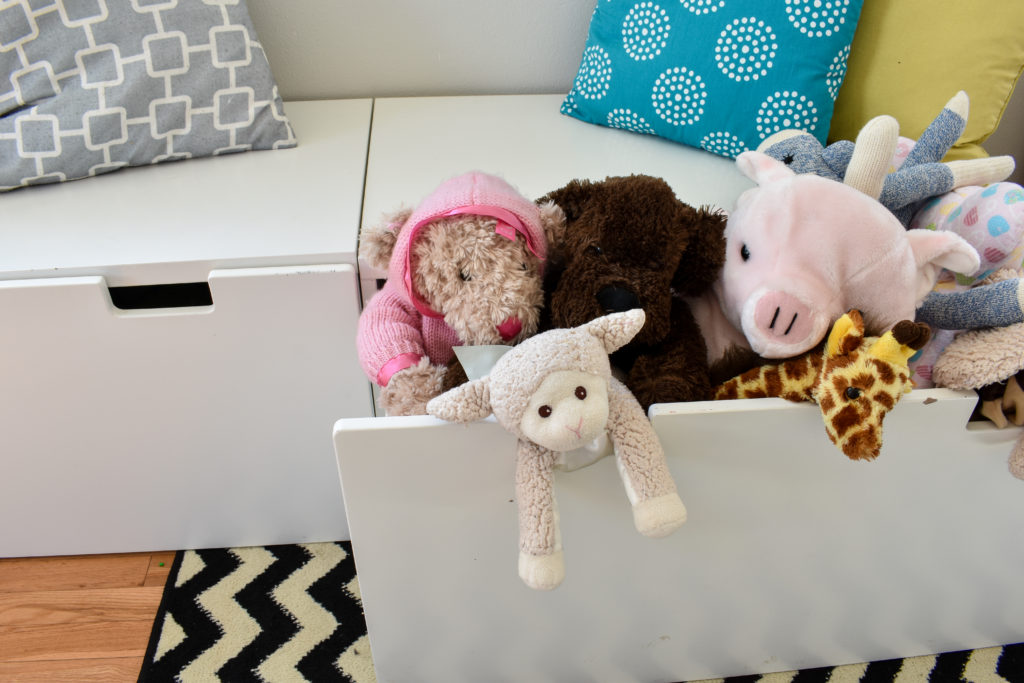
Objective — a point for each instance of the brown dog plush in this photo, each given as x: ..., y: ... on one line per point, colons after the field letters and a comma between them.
x: 629, y: 242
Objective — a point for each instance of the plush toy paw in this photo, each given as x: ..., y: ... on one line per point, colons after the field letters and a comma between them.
x: 542, y: 572
x: 409, y: 390
x: 1016, y: 463
x: 657, y: 517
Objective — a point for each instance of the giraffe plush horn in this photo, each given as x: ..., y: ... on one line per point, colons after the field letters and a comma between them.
x: 846, y: 335
x: 891, y: 351
x: 900, y: 343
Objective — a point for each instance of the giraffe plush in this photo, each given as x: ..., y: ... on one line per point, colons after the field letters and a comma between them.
x: 855, y: 380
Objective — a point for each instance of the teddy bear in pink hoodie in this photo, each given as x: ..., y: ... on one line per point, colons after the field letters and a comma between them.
x: 464, y: 268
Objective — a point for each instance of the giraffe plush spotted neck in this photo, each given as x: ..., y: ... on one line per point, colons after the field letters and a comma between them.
x: 855, y: 380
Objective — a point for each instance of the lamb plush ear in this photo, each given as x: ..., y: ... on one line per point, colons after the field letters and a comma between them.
x: 615, y: 330
x: 937, y: 249
x: 468, y: 402
x: 377, y: 243
x: 761, y: 168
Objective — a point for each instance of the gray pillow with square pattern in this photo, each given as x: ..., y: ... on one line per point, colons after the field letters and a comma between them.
x: 96, y: 85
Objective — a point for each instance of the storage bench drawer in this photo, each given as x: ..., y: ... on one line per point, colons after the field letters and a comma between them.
x: 180, y: 427
x: 792, y: 556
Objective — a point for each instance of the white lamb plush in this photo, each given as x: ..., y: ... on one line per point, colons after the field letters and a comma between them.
x: 556, y: 393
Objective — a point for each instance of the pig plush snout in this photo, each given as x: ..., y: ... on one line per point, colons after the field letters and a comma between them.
x: 780, y: 325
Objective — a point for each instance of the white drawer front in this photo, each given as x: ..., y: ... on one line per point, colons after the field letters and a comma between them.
x: 792, y: 556
x: 210, y: 426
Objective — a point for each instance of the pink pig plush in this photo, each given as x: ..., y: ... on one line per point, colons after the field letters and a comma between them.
x: 802, y: 250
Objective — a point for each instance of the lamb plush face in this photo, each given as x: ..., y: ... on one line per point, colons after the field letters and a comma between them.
x: 487, y: 286
x: 568, y: 410
x: 802, y: 250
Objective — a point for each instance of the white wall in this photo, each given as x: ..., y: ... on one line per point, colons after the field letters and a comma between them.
x: 321, y: 49
x: 343, y: 48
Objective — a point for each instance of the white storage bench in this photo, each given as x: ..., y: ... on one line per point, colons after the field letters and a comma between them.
x: 793, y: 556
x: 203, y: 418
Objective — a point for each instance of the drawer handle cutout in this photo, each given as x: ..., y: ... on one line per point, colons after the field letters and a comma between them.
x: 178, y: 295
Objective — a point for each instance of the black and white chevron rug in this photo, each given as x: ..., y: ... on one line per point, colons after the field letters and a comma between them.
x: 287, y: 613
x: 292, y: 613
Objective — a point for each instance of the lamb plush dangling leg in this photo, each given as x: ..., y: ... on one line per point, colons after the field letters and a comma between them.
x: 555, y: 392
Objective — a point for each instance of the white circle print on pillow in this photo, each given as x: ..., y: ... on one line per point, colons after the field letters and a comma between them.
x: 818, y: 18
x: 745, y: 49
x: 645, y: 31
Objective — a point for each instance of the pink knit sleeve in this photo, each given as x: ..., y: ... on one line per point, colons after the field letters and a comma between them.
x: 389, y: 336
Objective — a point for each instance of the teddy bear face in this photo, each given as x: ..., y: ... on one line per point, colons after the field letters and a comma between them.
x: 569, y: 409
x: 487, y: 286
x: 623, y: 243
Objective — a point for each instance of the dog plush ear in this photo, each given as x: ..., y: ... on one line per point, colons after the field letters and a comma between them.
x: 704, y: 251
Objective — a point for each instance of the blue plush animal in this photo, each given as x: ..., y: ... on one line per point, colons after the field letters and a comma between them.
x: 920, y: 177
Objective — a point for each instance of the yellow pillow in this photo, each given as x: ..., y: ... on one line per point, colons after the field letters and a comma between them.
x: 909, y: 57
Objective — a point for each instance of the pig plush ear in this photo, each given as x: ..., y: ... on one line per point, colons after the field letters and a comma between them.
x: 615, y: 330
x: 935, y: 250
x: 467, y: 402
x: 761, y: 168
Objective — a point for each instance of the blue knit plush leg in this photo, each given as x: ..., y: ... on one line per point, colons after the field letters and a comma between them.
x: 940, y: 135
x: 995, y: 305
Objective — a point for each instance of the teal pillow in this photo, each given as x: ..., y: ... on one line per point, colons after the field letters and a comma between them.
x: 721, y: 75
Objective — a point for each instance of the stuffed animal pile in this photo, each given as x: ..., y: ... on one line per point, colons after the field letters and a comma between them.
x: 831, y: 280
x: 975, y: 315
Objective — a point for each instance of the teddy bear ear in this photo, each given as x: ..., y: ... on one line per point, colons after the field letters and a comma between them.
x: 467, y: 402
x: 552, y: 221
x: 615, y: 330
x: 571, y: 198
x: 377, y: 243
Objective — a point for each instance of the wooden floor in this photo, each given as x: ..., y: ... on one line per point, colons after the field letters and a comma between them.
x: 78, y: 619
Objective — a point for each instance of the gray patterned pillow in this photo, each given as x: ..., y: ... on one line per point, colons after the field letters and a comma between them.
x: 96, y: 85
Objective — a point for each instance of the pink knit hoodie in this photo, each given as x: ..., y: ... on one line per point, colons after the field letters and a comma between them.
x: 397, y: 328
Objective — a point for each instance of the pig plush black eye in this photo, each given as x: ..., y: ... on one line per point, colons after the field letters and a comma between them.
x: 744, y: 253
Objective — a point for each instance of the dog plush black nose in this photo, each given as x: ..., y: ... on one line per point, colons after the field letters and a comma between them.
x: 617, y: 299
